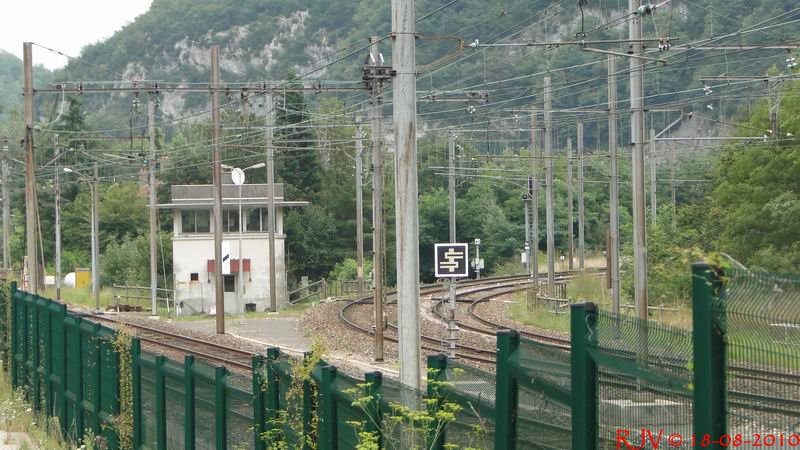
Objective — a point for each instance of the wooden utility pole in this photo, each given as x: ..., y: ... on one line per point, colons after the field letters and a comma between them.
x: 613, y: 187
x: 359, y: 208
x: 378, y: 225
x: 269, y: 125
x: 548, y: 161
x: 570, y: 207
x: 637, y: 144
x: 534, y: 246
x: 151, y: 164
x: 30, y: 171
x: 219, y: 287
x: 581, y: 210
x: 406, y: 190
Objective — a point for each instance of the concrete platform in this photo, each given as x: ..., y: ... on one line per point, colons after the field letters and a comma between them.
x: 277, y: 331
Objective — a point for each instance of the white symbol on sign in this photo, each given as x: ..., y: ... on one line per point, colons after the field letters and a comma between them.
x: 451, y: 257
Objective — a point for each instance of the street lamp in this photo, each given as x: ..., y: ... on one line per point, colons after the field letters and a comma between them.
x: 237, y: 176
x: 95, y: 244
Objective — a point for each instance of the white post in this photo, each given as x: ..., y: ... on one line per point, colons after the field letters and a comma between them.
x: 637, y: 142
x: 406, y: 190
x: 57, y: 155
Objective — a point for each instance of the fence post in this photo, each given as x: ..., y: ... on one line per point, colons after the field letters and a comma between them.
x: 583, y: 317
x: 34, y: 372
x: 62, y: 348
x: 12, y: 338
x: 506, y: 396
x: 188, y: 403
x: 710, y: 359
x: 327, y: 409
x: 259, y: 401
x: 48, y: 361
x: 161, y: 404
x: 374, y: 389
x: 273, y: 390
x: 437, y: 375
x: 98, y: 360
x: 136, y: 370
x: 308, y: 408
x: 221, y: 422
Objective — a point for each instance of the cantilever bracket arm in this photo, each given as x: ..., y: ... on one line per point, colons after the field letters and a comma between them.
x: 446, y: 58
x: 626, y: 55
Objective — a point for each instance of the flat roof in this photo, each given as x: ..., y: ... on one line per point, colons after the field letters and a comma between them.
x: 201, y: 196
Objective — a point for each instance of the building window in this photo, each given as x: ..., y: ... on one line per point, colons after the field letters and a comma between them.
x: 230, y: 220
x: 195, y: 221
x: 194, y: 276
x: 230, y: 283
x: 256, y: 219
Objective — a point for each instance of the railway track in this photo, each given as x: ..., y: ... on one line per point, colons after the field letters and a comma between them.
x: 241, y: 360
x: 753, y: 374
x: 212, y: 352
x: 431, y: 343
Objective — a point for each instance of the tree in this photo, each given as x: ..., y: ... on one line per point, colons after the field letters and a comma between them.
x: 299, y: 165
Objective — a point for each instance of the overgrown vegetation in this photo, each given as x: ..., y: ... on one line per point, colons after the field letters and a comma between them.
x: 289, y: 429
x: 405, y: 427
x: 123, y: 422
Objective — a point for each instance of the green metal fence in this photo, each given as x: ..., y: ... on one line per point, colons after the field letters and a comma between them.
x: 736, y: 372
x: 67, y: 366
x: 758, y: 318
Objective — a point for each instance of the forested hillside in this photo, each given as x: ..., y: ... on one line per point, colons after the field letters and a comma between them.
x: 721, y: 193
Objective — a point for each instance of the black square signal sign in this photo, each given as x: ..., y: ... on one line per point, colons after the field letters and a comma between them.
x: 452, y: 260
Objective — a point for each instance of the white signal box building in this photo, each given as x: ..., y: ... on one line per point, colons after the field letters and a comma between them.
x: 193, y: 247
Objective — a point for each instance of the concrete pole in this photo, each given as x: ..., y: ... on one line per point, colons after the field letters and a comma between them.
x: 613, y: 189
x: 378, y: 249
x: 151, y: 163
x: 637, y: 141
x: 95, y: 237
x: 534, y: 255
x: 30, y: 168
x: 548, y: 155
x: 269, y: 124
x: 406, y: 190
x: 452, y: 327
x: 653, y: 168
x: 359, y: 208
x: 451, y: 184
x: 6, y: 212
x: 581, y: 210
x: 219, y: 288
x: 570, y: 207
x: 57, y: 188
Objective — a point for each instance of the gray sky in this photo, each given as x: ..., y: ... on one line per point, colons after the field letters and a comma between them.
x: 64, y: 25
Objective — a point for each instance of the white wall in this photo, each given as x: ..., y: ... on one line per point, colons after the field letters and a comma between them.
x: 191, y: 253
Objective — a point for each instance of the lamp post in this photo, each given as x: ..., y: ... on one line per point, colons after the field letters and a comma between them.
x: 95, y: 231
x: 237, y: 176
